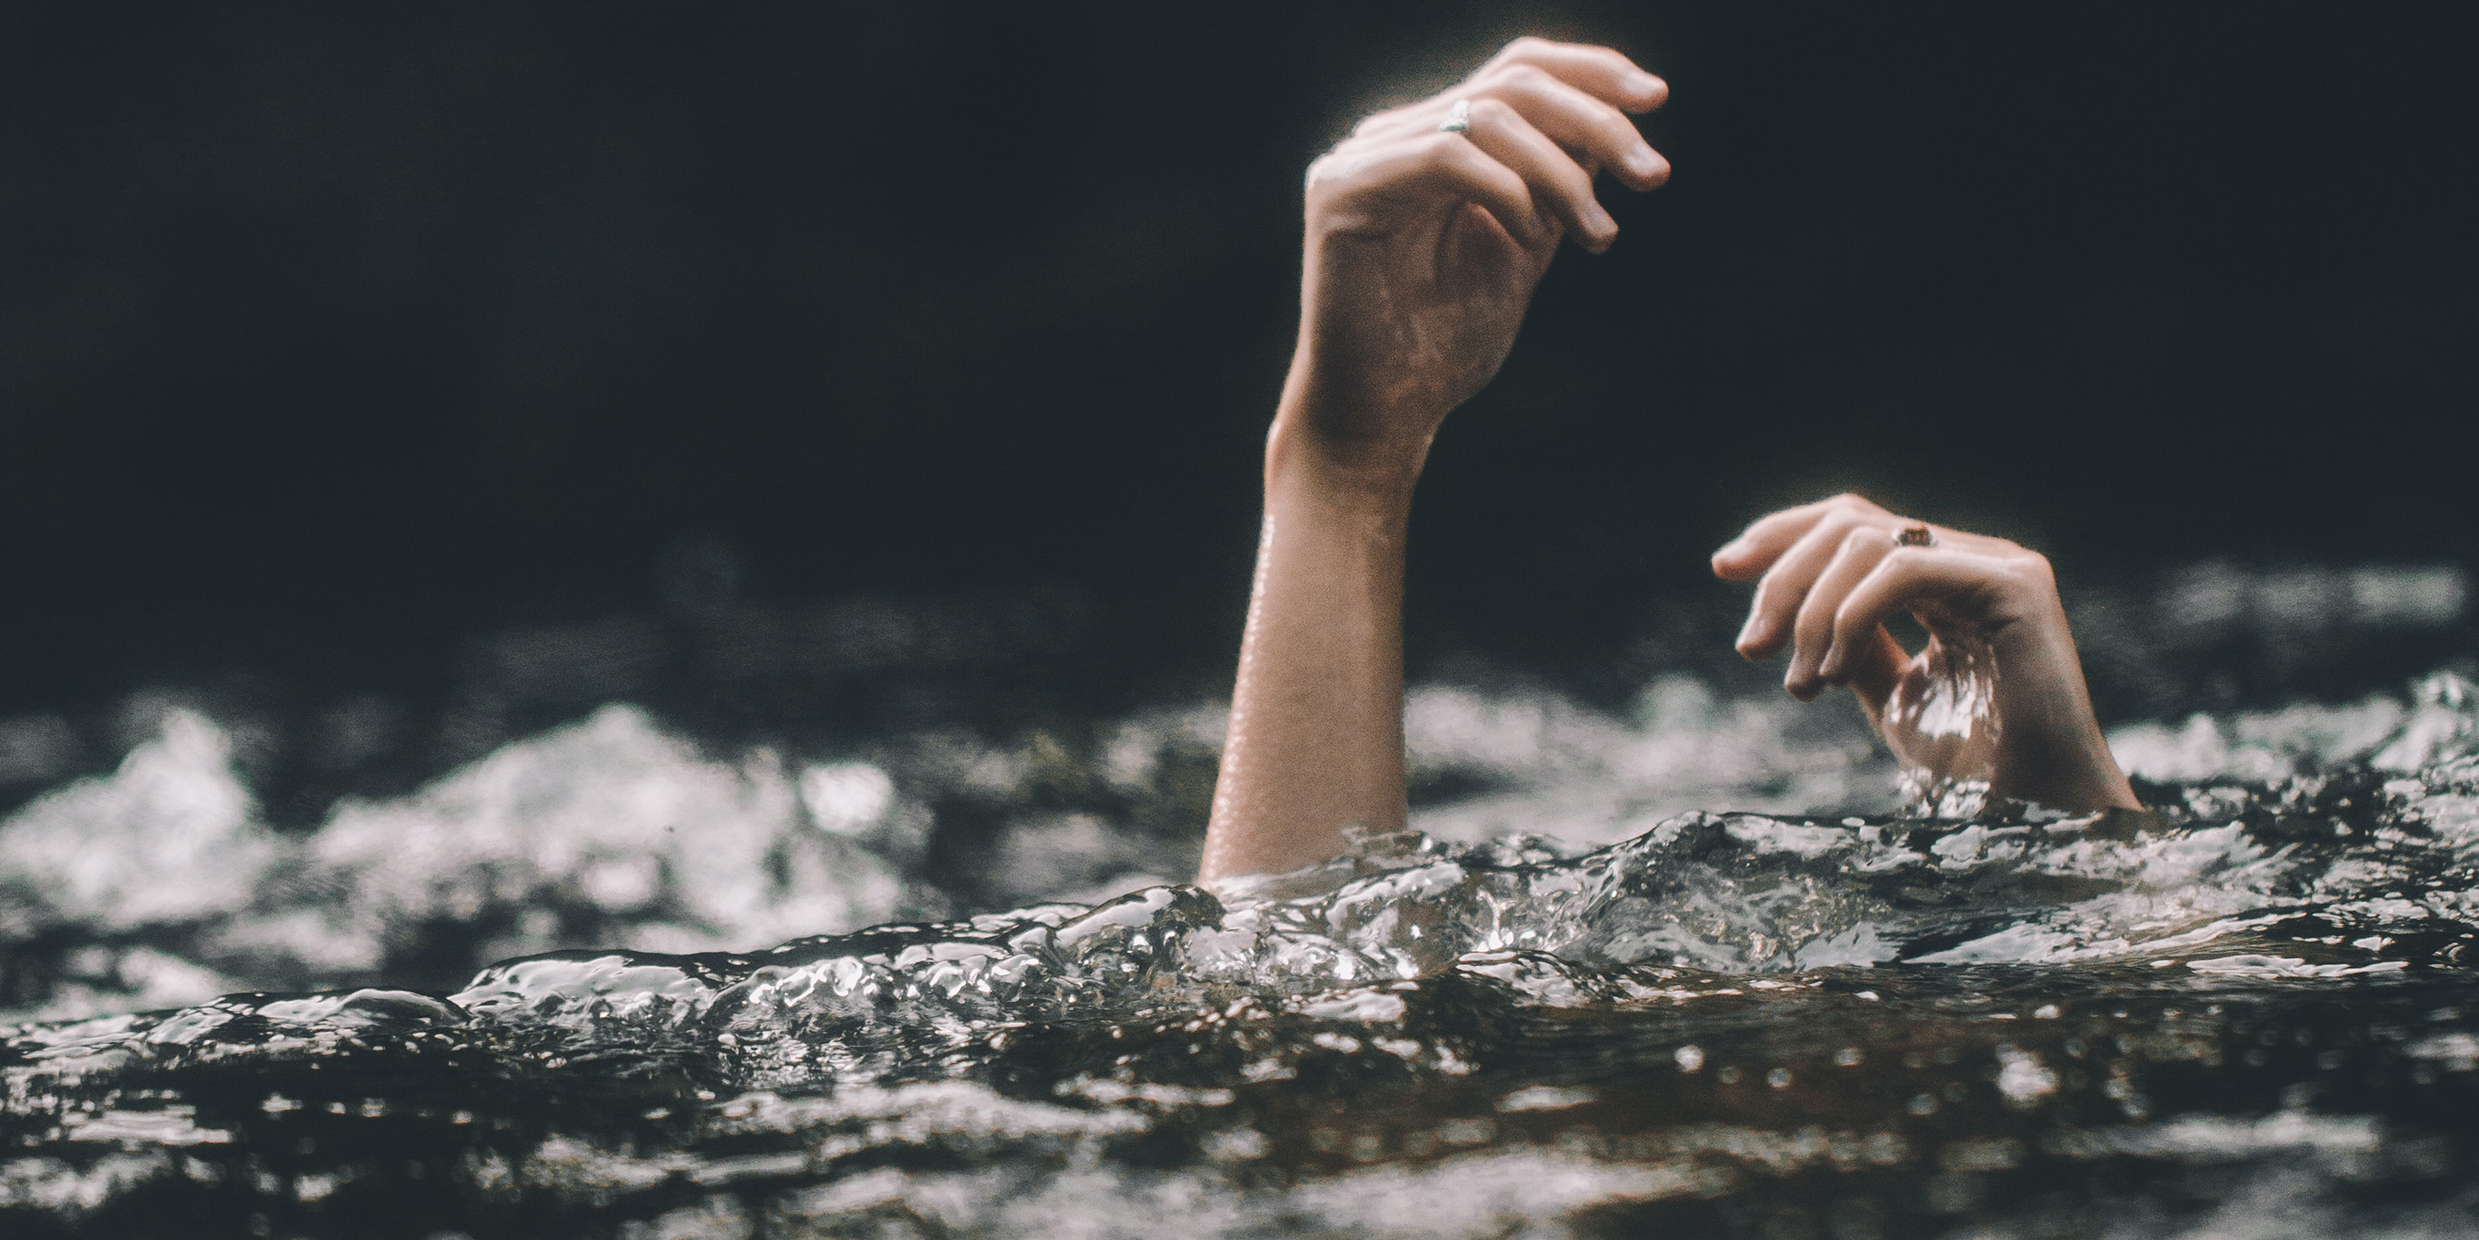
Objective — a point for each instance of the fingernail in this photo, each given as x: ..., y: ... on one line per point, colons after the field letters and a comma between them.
x: 1602, y: 225
x: 1645, y: 84
x: 1750, y: 633
x: 1642, y: 161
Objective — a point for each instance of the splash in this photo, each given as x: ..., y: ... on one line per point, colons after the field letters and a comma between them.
x: 2250, y: 1002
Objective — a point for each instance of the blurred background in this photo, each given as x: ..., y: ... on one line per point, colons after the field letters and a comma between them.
x: 388, y: 382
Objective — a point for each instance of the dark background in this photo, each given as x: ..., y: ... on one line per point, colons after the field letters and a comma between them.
x: 342, y: 347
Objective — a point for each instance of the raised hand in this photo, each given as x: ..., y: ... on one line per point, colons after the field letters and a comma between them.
x: 1997, y: 694
x: 1428, y: 229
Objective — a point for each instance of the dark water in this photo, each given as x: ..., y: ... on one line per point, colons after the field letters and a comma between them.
x: 1573, y: 1004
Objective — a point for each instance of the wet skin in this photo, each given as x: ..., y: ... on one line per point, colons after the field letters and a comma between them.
x: 1995, y: 696
x: 1423, y: 248
x: 1424, y: 243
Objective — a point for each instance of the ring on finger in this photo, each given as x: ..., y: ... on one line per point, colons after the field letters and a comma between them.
x: 1458, y: 117
x: 1915, y: 535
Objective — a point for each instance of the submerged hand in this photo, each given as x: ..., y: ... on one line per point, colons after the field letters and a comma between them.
x: 1424, y: 245
x: 1997, y: 694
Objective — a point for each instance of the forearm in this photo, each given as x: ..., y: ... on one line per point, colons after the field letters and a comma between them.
x: 1316, y: 738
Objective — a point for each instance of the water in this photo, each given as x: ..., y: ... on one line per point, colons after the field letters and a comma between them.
x: 1572, y: 1003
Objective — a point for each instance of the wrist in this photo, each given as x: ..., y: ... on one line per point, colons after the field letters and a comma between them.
x: 1318, y: 446
x: 2055, y: 752
x: 1306, y: 491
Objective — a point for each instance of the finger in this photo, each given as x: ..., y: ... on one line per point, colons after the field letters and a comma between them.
x: 1597, y: 134
x: 1786, y: 584
x: 1373, y: 183
x: 1557, y: 181
x: 1597, y: 71
x: 1755, y: 549
x: 1874, y: 674
x: 1465, y: 168
x: 1905, y: 577
x: 1813, y: 632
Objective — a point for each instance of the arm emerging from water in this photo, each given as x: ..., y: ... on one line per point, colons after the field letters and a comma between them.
x: 1996, y: 695
x: 1427, y: 231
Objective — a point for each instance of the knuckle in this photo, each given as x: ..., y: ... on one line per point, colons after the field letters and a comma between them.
x: 1837, y: 520
x: 1491, y: 109
x: 1815, y: 619
x: 1450, y: 156
x: 1415, y: 114
x: 1337, y: 173
x: 1471, y: 171
x: 1770, y: 592
x: 1523, y: 75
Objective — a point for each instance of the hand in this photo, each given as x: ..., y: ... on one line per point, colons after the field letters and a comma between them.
x: 1997, y: 694
x: 1423, y: 246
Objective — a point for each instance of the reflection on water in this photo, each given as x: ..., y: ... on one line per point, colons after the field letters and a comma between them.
x: 1575, y: 1001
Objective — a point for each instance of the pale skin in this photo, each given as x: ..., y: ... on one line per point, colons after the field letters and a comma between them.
x: 1996, y: 694
x: 1422, y: 251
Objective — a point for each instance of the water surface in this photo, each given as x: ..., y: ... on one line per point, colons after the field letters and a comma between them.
x: 1577, y: 1001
